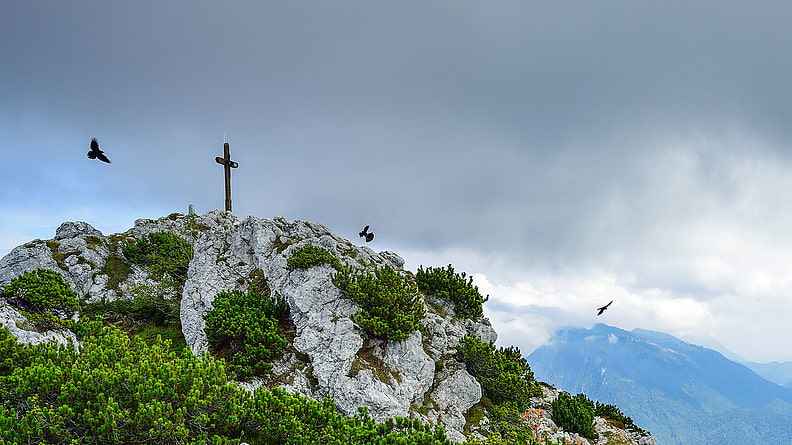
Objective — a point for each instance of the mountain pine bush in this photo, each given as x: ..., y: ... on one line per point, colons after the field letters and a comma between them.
x: 148, y: 310
x: 245, y: 325
x: 310, y: 255
x: 574, y: 414
x: 162, y: 253
x: 118, y: 390
x: 454, y: 287
x: 504, y: 374
x: 390, y: 307
x: 614, y: 414
x: 42, y: 290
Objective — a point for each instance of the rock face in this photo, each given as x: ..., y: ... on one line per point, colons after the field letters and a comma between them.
x: 418, y: 377
x: 20, y: 327
x: 391, y: 379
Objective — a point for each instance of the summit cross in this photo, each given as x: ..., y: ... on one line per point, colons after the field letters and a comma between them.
x: 227, y: 164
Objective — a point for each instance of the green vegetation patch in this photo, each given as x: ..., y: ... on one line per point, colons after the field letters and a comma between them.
x: 119, y: 389
x: 310, y: 255
x: 246, y: 328
x: 92, y: 242
x: 162, y: 253
x: 454, y: 287
x: 40, y: 291
x: 617, y: 418
x: 504, y: 374
x: 13, y: 355
x: 191, y: 227
x: 366, y: 359
x: 150, y: 311
x: 117, y: 270
x: 390, y: 306
x: 574, y: 414
x: 60, y: 258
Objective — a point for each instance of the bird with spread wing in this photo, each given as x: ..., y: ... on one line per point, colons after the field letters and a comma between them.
x: 365, y: 233
x: 95, y: 153
x: 603, y: 308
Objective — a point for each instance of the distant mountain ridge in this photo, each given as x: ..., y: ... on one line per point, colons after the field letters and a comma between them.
x: 683, y: 393
x: 777, y: 372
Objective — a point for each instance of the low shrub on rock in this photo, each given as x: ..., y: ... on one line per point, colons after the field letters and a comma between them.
x: 389, y: 302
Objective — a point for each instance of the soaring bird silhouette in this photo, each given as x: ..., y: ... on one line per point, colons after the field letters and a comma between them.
x: 603, y: 308
x: 95, y: 153
x: 365, y: 233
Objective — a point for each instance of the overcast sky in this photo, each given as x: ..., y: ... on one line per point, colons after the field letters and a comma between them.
x: 566, y: 153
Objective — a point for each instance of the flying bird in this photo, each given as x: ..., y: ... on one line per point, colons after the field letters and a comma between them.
x: 365, y: 233
x: 95, y: 153
x: 603, y: 308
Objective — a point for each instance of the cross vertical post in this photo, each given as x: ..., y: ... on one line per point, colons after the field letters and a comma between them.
x: 227, y: 164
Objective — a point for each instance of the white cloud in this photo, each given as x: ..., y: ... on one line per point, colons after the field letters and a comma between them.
x: 528, y: 312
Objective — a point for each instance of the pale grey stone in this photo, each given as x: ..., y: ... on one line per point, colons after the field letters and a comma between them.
x: 26, y: 258
x: 453, y: 396
x: 74, y: 229
x: 333, y: 357
x: 22, y: 329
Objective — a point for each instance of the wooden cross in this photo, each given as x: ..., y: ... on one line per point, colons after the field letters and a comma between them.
x: 228, y: 164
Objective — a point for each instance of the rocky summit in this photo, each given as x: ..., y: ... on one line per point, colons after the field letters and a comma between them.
x: 419, y: 377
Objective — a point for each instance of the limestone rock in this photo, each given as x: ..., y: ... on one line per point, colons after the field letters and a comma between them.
x: 21, y: 328
x: 330, y: 356
x: 26, y: 258
x: 456, y: 392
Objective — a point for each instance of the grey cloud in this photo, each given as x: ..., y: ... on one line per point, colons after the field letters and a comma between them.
x: 556, y: 136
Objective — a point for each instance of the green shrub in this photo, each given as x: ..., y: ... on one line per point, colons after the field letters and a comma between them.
x: 504, y: 374
x: 117, y: 271
x: 613, y: 413
x: 244, y: 326
x: 507, y: 427
x: 310, y: 255
x: 12, y: 354
x: 149, y: 310
x: 42, y: 290
x: 121, y: 390
x: 162, y: 253
x: 456, y: 288
x: 574, y: 414
x: 114, y: 390
x: 390, y: 306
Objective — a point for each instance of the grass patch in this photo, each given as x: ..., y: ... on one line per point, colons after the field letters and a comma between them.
x: 162, y: 253
x: 92, y: 242
x: 60, y: 259
x: 365, y: 359
x: 117, y: 271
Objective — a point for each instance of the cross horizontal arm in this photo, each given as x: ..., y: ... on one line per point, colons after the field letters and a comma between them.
x: 229, y: 162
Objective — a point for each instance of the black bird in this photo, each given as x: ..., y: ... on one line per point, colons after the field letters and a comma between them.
x: 95, y: 153
x: 365, y: 233
x: 603, y: 308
